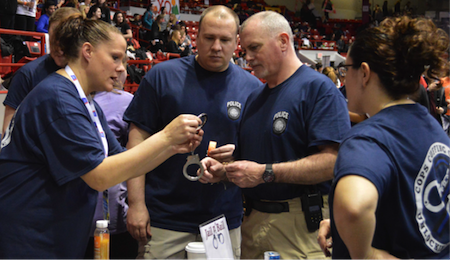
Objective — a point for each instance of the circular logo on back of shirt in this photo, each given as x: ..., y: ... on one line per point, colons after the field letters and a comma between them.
x: 280, y: 120
x: 431, y: 189
x: 234, y: 110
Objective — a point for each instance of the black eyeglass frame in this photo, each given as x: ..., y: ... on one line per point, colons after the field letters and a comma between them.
x: 344, y: 67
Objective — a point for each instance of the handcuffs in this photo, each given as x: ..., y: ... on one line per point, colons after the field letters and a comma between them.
x: 217, y: 239
x: 193, y: 158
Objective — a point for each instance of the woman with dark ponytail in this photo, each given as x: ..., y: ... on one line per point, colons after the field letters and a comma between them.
x: 390, y: 195
x: 59, y: 152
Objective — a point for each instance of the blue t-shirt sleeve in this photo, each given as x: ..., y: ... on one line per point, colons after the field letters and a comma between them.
x: 365, y: 157
x: 71, y: 147
x: 329, y: 120
x: 113, y: 144
x: 42, y: 23
x: 18, y: 90
x: 143, y: 106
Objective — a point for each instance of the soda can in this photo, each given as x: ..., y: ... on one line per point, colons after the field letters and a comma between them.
x: 271, y: 255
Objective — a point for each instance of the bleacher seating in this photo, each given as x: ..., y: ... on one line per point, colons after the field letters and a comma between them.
x: 34, y: 48
x: 316, y: 35
x: 7, y: 67
x: 5, y: 70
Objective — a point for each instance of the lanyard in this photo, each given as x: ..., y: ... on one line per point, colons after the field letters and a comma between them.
x: 90, y: 107
x: 94, y: 116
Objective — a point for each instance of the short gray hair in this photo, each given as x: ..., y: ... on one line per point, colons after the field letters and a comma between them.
x: 272, y: 23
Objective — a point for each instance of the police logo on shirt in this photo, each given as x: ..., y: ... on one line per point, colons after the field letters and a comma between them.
x: 234, y: 109
x: 431, y: 189
x: 280, y: 120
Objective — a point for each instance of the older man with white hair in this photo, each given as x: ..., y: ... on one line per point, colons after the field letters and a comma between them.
x: 288, y: 141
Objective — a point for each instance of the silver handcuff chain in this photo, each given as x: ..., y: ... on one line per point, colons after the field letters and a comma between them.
x: 193, y: 158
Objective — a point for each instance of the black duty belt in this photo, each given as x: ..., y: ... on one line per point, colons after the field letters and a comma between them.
x: 270, y: 206
x: 275, y: 206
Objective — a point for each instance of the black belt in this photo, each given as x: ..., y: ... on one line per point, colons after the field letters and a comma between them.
x: 275, y: 206
x: 269, y: 206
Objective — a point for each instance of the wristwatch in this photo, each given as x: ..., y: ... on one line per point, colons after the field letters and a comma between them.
x: 268, y: 175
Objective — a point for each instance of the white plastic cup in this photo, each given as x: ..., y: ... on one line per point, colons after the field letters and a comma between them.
x: 195, y: 250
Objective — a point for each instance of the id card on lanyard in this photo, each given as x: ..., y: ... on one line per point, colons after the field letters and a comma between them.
x: 94, y: 116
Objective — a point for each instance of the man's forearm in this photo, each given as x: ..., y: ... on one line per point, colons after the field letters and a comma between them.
x: 136, y: 190
x: 136, y: 186
x: 310, y: 170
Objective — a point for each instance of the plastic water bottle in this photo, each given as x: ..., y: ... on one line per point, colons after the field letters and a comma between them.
x: 271, y: 255
x: 101, y: 240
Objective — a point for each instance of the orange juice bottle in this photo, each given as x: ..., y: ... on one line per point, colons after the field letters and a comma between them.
x: 101, y: 240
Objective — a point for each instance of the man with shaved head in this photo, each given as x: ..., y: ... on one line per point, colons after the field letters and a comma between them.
x: 165, y: 208
x: 287, y: 145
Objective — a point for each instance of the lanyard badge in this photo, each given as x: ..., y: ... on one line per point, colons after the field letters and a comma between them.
x: 94, y: 116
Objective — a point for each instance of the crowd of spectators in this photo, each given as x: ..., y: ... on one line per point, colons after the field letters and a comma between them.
x: 434, y: 94
x: 312, y: 29
x: 153, y: 28
x: 47, y: 11
x: 155, y: 31
x: 26, y: 14
x: 151, y: 31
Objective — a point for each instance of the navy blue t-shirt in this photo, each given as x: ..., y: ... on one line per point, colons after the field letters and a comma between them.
x: 27, y: 77
x: 182, y: 86
x: 287, y: 123
x: 46, y: 209
x: 405, y: 153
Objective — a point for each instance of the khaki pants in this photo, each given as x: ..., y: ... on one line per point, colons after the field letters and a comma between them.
x: 285, y: 233
x: 166, y: 243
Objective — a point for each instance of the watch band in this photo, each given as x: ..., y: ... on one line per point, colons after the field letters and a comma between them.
x: 268, y: 175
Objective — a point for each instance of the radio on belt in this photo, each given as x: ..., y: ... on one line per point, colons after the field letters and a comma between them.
x: 193, y: 158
